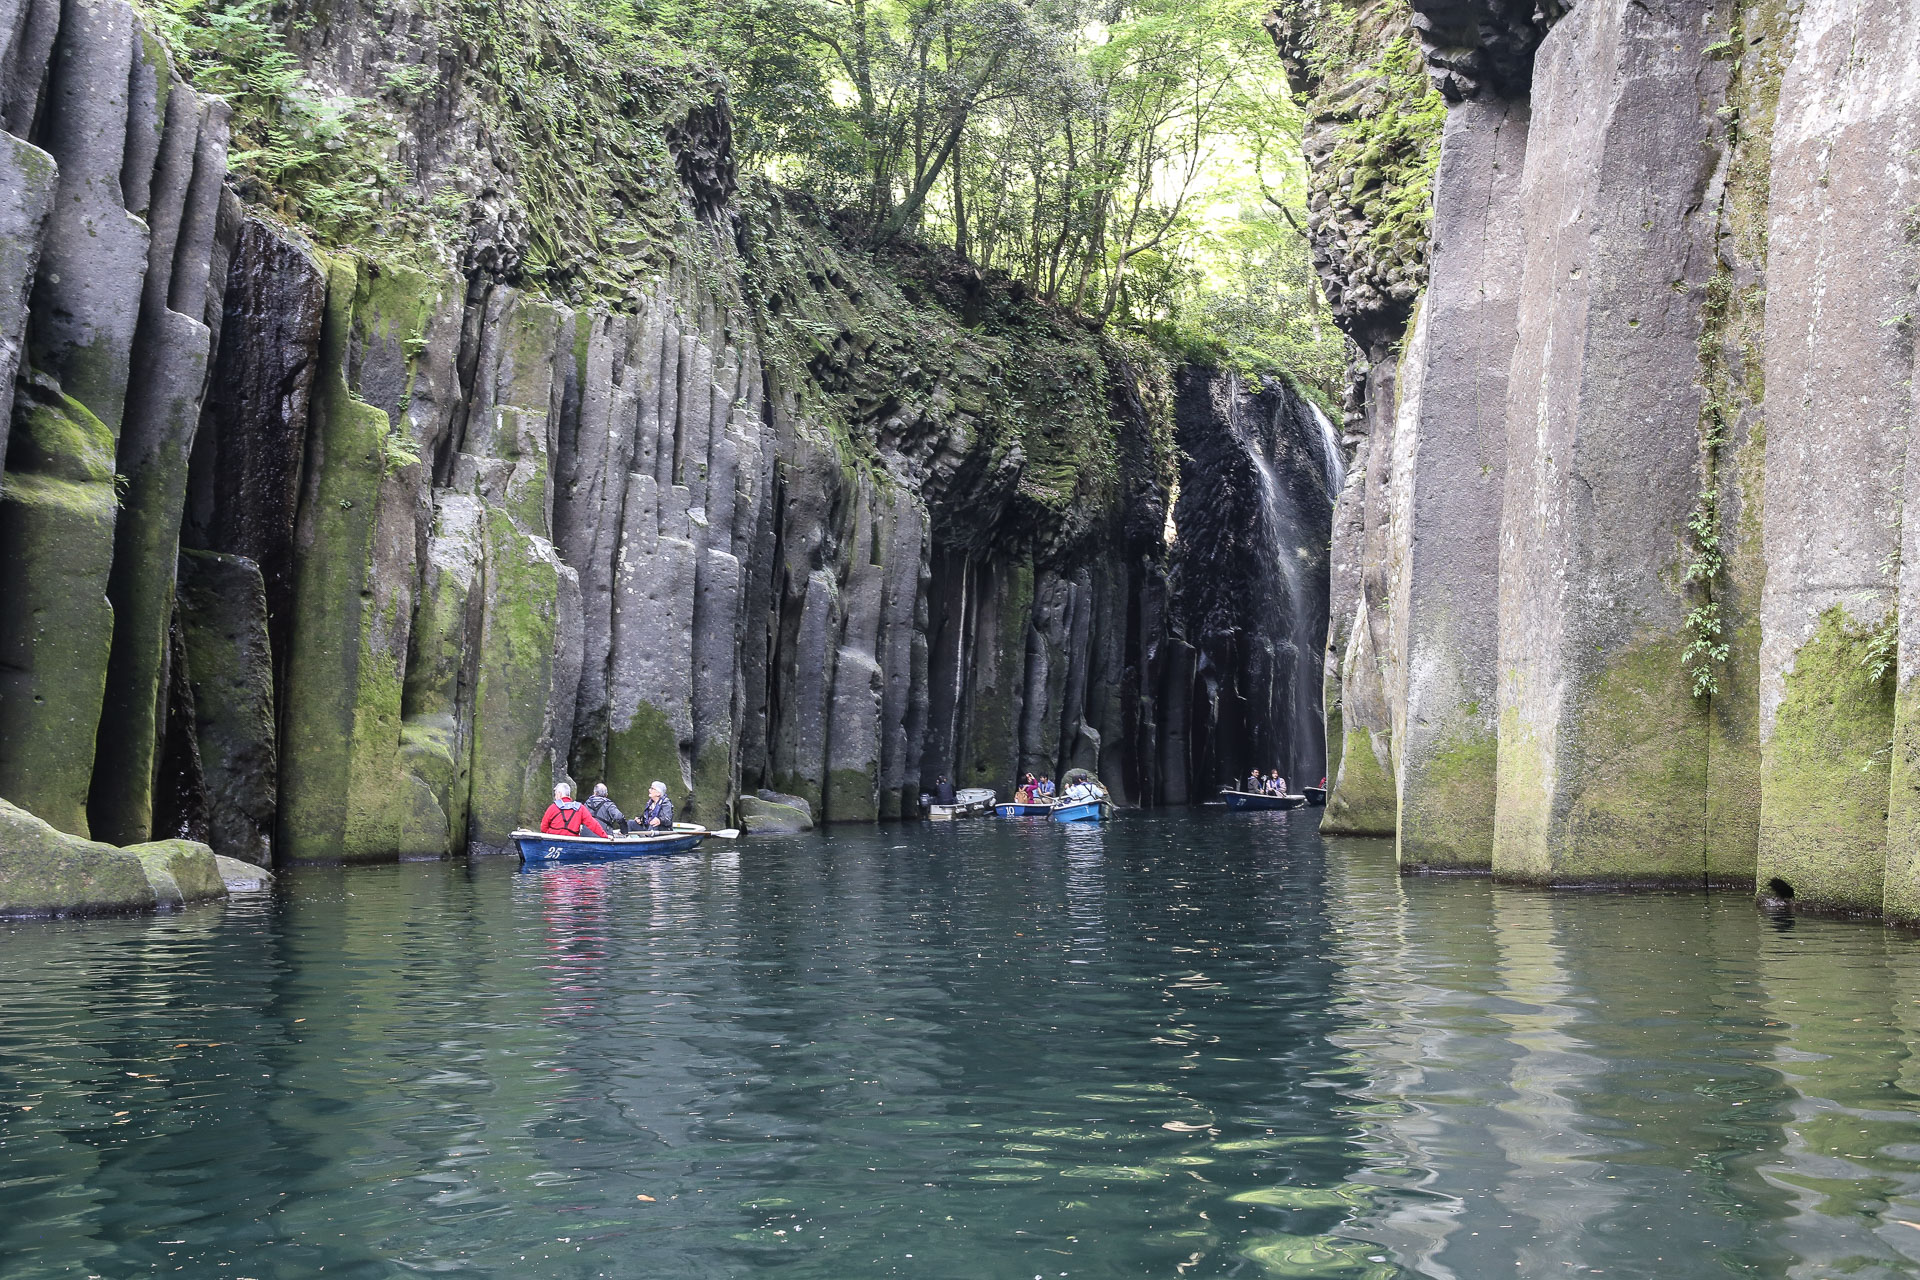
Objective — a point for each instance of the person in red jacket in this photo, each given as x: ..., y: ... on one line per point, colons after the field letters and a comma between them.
x: 568, y: 817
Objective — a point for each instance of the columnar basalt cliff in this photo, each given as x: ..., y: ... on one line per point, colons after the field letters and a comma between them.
x: 1636, y: 479
x: 346, y: 546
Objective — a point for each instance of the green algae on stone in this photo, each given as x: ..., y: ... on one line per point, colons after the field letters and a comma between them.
x: 181, y: 871
x: 429, y: 815
x: 1826, y: 772
x: 1900, y: 895
x: 1362, y: 799
x: 989, y: 757
x: 1634, y: 813
x: 57, y: 514
x: 645, y: 752
x: 1452, y: 827
x: 513, y: 683
x: 44, y: 872
x: 757, y: 815
x: 853, y: 795
x: 1520, y: 814
x: 1733, y: 434
x: 1622, y: 801
x: 340, y: 779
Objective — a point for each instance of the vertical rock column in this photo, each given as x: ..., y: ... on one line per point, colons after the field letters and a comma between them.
x: 223, y: 611
x: 902, y: 654
x: 1602, y: 747
x: 58, y: 503
x: 358, y: 532
x: 1450, y: 459
x: 169, y: 370
x: 1359, y: 717
x: 522, y: 703
x: 1839, y: 408
x: 853, y: 718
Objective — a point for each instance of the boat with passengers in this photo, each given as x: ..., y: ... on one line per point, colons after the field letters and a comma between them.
x: 539, y: 846
x: 1083, y: 798
x: 1260, y: 799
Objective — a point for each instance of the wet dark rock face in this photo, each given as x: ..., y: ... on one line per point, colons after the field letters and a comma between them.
x: 1260, y: 469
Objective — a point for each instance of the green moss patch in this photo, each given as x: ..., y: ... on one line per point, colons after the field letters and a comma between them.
x: 1450, y: 826
x: 1826, y: 772
x: 1362, y: 801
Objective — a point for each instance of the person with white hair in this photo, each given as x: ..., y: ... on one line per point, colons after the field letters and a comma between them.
x: 601, y: 806
x: 658, y: 815
x: 568, y: 817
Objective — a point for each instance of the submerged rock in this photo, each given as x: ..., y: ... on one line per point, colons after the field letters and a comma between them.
x: 242, y: 877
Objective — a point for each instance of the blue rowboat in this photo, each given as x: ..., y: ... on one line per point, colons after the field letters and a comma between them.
x: 1016, y: 810
x: 1260, y: 800
x: 1082, y: 810
x: 536, y: 846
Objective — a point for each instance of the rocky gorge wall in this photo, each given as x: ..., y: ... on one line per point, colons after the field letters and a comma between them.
x: 322, y: 554
x: 1621, y: 566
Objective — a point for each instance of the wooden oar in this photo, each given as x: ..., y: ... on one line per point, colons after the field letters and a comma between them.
x: 731, y: 833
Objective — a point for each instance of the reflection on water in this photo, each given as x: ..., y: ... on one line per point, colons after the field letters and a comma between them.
x: 1205, y: 1045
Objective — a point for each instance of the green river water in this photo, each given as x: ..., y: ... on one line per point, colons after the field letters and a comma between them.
x: 1188, y: 1045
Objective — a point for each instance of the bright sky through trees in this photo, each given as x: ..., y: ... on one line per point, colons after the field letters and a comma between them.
x: 1135, y: 161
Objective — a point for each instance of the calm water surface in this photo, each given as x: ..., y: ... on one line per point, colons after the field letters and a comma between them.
x: 1206, y: 1047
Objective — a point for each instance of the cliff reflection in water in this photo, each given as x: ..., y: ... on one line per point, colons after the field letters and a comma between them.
x: 1203, y: 1046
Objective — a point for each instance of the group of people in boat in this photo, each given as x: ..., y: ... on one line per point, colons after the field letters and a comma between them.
x: 1271, y: 784
x: 1036, y: 790
x: 600, y: 816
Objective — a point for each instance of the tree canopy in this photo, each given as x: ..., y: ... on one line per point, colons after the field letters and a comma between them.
x: 1134, y: 160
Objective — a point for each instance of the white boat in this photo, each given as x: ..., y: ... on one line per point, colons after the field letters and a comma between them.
x: 968, y: 803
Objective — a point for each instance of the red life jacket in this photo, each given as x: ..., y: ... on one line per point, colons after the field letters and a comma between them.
x: 566, y: 817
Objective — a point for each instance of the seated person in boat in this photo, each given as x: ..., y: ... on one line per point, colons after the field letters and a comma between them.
x: 943, y: 791
x: 1078, y: 790
x: 1047, y: 788
x: 1276, y: 784
x: 601, y: 806
x: 658, y: 815
x: 568, y: 817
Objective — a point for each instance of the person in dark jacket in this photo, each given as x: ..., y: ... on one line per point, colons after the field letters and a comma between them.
x: 568, y: 817
x: 943, y: 791
x: 601, y: 806
x: 658, y: 815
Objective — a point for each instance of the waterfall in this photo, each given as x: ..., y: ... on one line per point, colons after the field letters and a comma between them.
x: 1260, y: 470
x: 1292, y: 621
x: 1332, y: 456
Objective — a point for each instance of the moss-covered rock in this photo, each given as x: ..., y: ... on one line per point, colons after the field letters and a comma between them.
x: 1621, y: 798
x: 1361, y: 801
x: 645, y: 752
x: 44, y: 872
x: 56, y: 549
x: 514, y: 682
x: 768, y: 816
x: 181, y: 871
x: 1823, y: 811
x: 341, y: 787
